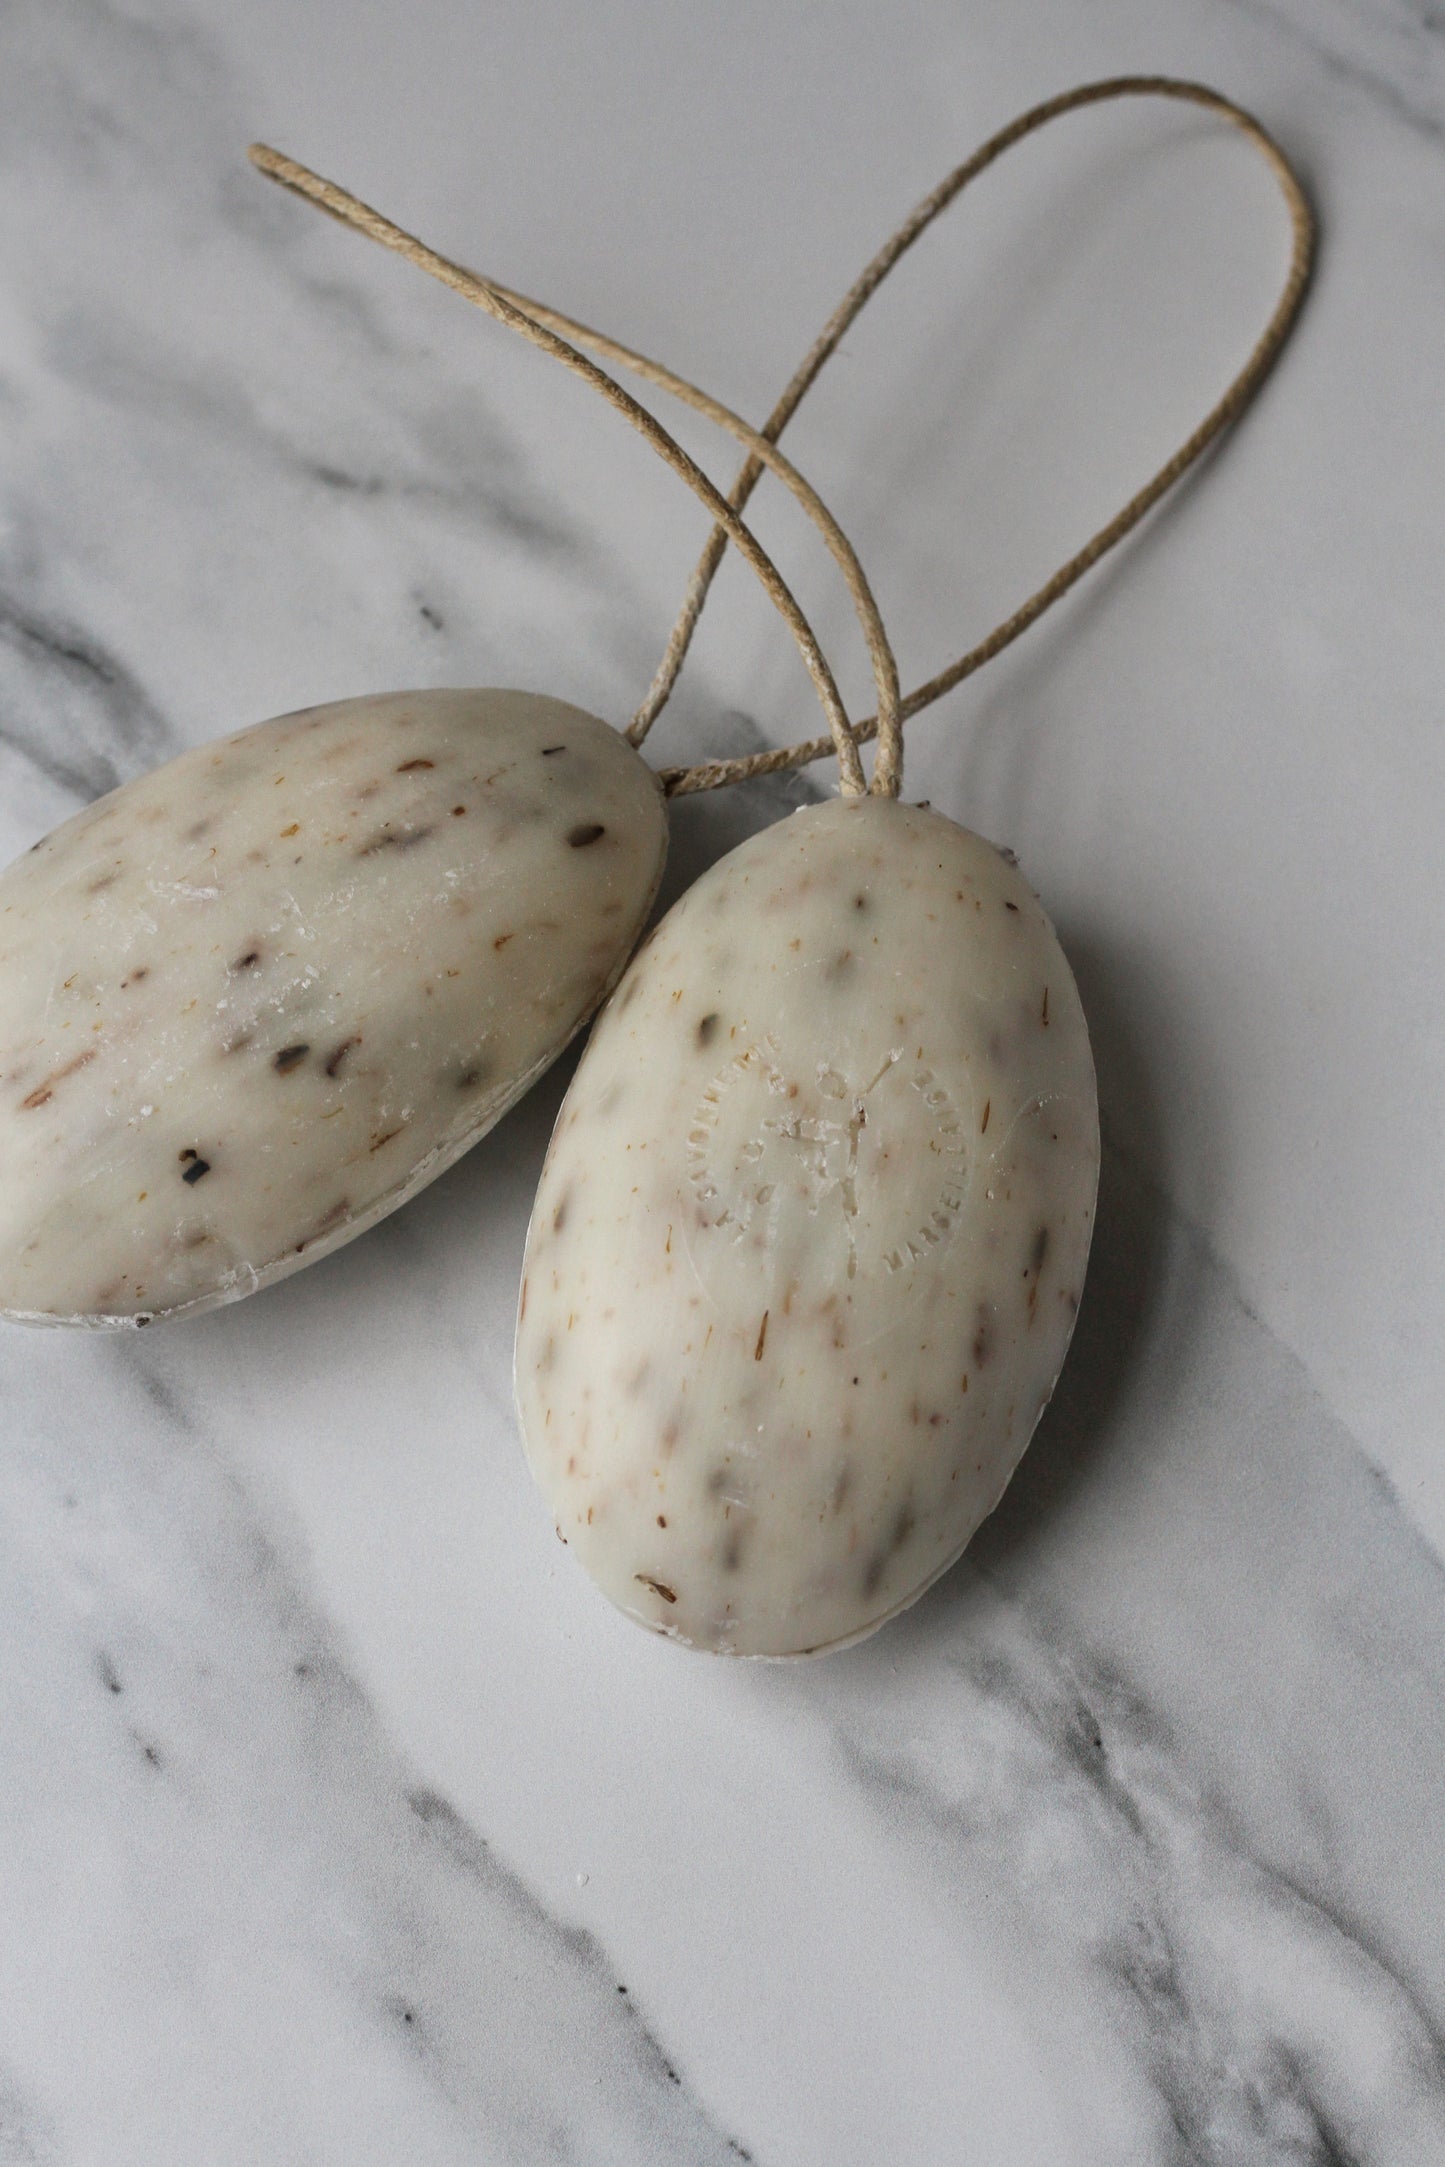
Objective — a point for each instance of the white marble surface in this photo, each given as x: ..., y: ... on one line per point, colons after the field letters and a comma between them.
x: 336, y: 1810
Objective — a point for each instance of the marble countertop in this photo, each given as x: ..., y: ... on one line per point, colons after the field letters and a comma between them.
x: 340, y: 1819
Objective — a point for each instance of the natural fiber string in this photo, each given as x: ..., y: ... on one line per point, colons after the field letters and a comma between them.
x: 536, y: 319
x: 533, y: 321
x: 711, y: 774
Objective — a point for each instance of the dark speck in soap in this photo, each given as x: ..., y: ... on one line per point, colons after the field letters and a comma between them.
x: 288, y: 1058
x: 390, y: 838
x: 590, y: 831
x: 657, y: 1587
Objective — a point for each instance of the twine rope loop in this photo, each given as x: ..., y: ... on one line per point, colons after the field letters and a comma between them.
x: 562, y: 336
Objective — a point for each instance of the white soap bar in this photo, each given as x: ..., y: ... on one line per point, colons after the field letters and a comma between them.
x: 252, y: 1001
x: 811, y: 1233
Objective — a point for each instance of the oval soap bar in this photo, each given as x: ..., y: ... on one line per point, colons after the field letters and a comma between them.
x: 811, y: 1233
x: 250, y: 1002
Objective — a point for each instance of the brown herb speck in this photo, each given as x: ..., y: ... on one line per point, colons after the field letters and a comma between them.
x: 587, y: 832
x: 198, y: 1168
x: 1044, y: 1011
x: 646, y: 1580
x: 248, y: 961
x: 408, y: 766
x: 290, y: 1057
x: 339, y: 1053
x: 45, y: 1091
x: 987, y: 1110
x: 390, y: 838
x: 707, y: 1028
x: 457, y: 811
x: 549, y: 752
x: 762, y: 1337
x: 324, y: 1224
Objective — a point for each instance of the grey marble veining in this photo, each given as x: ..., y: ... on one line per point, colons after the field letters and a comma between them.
x: 318, y: 425
x: 1175, y: 1830
x: 336, y: 1812
x: 261, y: 1891
x: 95, y: 712
x: 1391, y: 50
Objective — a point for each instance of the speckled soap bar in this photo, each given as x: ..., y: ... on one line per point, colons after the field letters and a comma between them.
x: 811, y: 1234
x: 252, y: 1001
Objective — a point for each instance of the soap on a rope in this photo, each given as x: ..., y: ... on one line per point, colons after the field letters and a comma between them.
x: 811, y: 1234
x: 252, y: 1001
